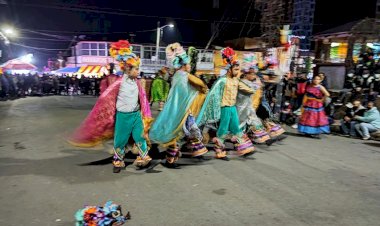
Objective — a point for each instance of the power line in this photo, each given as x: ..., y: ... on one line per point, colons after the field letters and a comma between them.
x: 219, y: 27
x: 42, y: 39
x: 94, y: 32
x: 37, y: 48
x: 246, y: 17
x: 45, y: 34
x: 121, y: 13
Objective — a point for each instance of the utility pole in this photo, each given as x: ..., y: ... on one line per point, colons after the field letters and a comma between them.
x: 75, y: 51
x: 378, y: 11
x: 158, y: 40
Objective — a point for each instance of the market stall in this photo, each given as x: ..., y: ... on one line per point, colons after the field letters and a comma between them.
x: 339, y: 49
x: 17, y: 66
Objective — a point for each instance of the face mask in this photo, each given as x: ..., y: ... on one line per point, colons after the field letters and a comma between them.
x: 365, y: 75
x: 377, y: 77
x: 350, y: 75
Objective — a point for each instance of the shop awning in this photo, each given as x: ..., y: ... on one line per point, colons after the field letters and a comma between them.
x: 67, y: 70
x: 90, y: 70
x: 17, y: 64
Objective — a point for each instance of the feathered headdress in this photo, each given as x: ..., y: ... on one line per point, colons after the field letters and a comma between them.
x: 229, y: 57
x: 192, y: 52
x: 249, y: 63
x: 176, y: 55
x: 122, y: 52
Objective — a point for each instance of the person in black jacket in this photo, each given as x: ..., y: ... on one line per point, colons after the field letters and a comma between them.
x: 324, y: 80
x: 348, y: 122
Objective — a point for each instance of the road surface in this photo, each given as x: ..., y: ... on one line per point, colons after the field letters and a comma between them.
x: 300, y: 181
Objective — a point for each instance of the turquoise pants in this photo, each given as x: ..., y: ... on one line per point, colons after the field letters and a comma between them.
x: 229, y: 122
x: 127, y: 124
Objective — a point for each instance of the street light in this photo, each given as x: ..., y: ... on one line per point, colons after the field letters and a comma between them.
x: 3, y: 37
x: 158, y: 37
x: 9, y: 32
x: 27, y: 58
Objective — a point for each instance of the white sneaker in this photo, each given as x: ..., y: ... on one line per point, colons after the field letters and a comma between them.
x: 295, y: 126
x: 366, y: 138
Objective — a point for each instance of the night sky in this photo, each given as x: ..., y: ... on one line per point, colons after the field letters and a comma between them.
x: 60, y: 20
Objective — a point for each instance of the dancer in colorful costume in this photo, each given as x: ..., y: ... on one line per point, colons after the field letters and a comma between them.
x: 220, y: 106
x: 160, y: 89
x: 120, y: 111
x: 247, y: 115
x: 313, y: 120
x: 185, y: 99
x: 109, y: 78
x: 264, y: 111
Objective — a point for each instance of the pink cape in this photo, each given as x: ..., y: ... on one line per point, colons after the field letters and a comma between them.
x: 107, y: 82
x: 100, y: 122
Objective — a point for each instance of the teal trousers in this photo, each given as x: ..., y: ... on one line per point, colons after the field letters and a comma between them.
x: 229, y: 122
x: 125, y: 125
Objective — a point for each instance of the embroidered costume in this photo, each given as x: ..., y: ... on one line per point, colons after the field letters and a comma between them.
x: 185, y: 99
x: 220, y: 108
x: 121, y: 111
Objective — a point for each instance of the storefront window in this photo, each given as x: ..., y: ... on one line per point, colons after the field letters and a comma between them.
x: 85, y: 52
x: 136, y: 50
x: 356, y: 52
x: 102, y: 53
x: 94, y: 49
x: 206, y: 57
x: 102, y: 46
x: 375, y: 48
x: 338, y: 52
x: 85, y: 45
x: 372, y: 46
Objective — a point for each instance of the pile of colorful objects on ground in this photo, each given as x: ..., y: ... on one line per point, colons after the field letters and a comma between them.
x: 108, y: 215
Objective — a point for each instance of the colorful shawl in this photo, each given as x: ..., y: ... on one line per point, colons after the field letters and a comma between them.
x: 100, y: 122
x: 107, y: 82
x: 168, y: 125
x: 245, y: 107
x: 211, y: 109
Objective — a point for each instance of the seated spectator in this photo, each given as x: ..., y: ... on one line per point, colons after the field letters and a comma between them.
x: 369, y: 123
x: 348, y: 122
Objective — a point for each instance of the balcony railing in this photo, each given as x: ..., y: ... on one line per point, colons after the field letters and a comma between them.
x: 153, y: 62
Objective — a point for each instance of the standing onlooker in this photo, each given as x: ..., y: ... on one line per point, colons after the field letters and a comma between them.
x: 313, y: 120
x: 370, y: 122
x: 5, y: 86
x: 289, y: 89
x: 348, y: 122
x: 55, y: 84
x: 301, y: 84
x: 324, y: 82
x: 1, y: 86
x: 12, y: 86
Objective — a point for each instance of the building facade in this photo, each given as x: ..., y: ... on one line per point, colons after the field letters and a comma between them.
x: 96, y: 53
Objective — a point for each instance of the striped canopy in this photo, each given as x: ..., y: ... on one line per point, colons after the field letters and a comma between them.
x: 91, y: 70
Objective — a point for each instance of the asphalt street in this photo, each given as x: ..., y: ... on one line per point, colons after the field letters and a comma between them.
x: 298, y: 181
